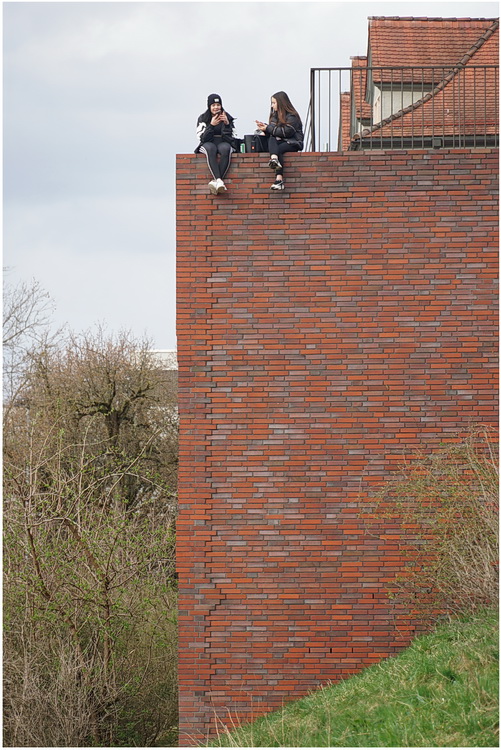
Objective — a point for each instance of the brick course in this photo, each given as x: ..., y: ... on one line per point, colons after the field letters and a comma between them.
x: 323, y: 333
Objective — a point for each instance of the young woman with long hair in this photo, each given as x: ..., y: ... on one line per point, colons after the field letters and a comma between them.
x: 285, y: 133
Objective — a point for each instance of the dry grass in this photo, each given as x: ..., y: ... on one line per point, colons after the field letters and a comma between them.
x: 446, y: 505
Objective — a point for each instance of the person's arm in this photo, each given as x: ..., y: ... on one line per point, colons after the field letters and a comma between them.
x: 228, y: 131
x: 201, y: 128
x: 207, y: 131
x: 288, y: 130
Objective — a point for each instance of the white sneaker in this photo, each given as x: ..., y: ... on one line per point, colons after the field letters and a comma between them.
x: 278, y: 185
x: 213, y: 187
x: 274, y: 163
x: 221, y: 187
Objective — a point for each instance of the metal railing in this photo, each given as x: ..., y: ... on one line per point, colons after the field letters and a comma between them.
x: 361, y: 108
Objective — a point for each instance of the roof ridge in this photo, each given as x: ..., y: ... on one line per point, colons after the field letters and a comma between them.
x: 480, y: 42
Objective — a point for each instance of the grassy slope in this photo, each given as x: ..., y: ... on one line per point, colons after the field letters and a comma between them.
x: 441, y: 692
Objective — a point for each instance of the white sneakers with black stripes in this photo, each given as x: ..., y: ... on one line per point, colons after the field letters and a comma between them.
x: 217, y: 186
x: 278, y: 185
x: 274, y: 163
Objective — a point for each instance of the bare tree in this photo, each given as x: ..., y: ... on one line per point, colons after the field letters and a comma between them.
x: 111, y: 389
x: 90, y: 453
x: 27, y: 311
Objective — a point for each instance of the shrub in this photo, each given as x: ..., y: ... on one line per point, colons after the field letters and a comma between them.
x: 446, y: 505
x: 88, y: 576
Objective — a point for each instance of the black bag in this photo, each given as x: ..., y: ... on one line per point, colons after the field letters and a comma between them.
x: 237, y: 143
x: 256, y: 143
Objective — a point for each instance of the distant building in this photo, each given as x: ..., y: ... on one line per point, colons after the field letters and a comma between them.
x: 166, y: 358
x: 425, y: 82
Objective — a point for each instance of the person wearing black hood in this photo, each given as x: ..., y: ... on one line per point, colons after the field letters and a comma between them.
x: 215, y: 130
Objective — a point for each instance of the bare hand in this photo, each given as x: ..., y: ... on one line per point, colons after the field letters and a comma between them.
x: 260, y: 125
x: 219, y: 118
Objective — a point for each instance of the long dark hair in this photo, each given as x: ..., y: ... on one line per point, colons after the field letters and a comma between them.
x: 284, y: 107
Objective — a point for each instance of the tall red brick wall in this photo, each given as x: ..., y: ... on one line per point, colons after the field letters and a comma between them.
x: 323, y: 333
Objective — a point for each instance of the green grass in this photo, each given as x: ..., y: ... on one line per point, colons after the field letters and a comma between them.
x: 441, y: 692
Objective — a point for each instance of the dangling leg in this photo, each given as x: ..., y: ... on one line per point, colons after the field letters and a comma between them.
x: 225, y: 151
x: 274, y: 148
x: 210, y: 150
x: 283, y: 147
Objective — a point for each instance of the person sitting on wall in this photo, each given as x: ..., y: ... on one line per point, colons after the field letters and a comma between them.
x: 215, y: 130
x: 285, y: 133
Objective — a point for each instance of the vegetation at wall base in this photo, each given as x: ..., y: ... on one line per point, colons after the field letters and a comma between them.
x: 440, y: 692
x: 443, y: 506
x: 89, y: 503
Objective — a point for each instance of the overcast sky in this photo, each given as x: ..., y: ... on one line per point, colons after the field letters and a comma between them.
x: 98, y: 99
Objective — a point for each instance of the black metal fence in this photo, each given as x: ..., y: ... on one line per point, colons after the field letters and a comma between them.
x: 363, y: 107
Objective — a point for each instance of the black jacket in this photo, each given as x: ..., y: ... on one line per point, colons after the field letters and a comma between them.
x: 207, y: 132
x: 292, y: 131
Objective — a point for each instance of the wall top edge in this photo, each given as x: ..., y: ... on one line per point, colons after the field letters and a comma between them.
x: 362, y: 154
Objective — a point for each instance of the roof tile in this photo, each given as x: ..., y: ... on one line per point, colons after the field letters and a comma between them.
x: 394, y: 41
x: 469, y: 98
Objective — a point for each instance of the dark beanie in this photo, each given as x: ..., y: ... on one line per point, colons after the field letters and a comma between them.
x: 213, y: 99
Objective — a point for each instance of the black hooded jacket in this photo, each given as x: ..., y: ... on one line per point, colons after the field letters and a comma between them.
x: 292, y: 131
x: 207, y: 132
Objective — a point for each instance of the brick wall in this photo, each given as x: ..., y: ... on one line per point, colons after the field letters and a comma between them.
x: 323, y: 332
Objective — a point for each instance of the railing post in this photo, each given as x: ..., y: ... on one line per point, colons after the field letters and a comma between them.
x: 313, y: 108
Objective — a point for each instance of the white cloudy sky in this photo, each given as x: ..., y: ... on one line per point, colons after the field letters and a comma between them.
x: 100, y: 96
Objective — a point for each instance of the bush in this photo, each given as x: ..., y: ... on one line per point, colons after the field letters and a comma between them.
x: 446, y: 505
x: 89, y: 582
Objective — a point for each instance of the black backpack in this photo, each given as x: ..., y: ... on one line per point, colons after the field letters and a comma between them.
x: 256, y: 143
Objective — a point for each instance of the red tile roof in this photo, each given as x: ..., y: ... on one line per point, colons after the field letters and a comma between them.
x: 394, y: 42
x: 467, y: 98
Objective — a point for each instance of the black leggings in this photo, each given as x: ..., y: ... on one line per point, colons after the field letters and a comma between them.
x: 278, y: 148
x: 211, y: 149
